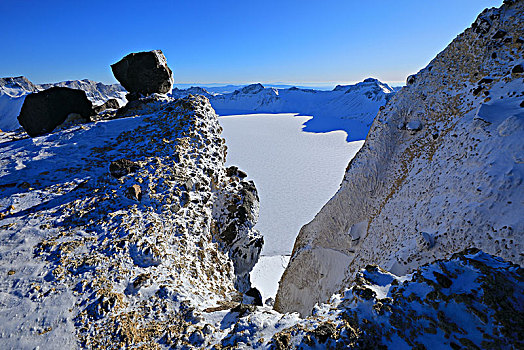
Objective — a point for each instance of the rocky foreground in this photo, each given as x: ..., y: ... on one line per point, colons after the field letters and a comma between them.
x: 114, y: 232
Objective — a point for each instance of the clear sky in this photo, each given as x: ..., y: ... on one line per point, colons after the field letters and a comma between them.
x: 225, y: 41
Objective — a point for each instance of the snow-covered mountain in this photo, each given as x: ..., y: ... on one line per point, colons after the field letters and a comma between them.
x: 350, y: 107
x: 97, y: 92
x: 12, y: 95
x: 441, y: 170
x: 14, y: 90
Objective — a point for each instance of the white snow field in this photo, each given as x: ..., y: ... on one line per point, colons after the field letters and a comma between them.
x: 295, y: 173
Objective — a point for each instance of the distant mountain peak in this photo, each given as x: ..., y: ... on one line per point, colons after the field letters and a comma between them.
x: 367, y: 83
x: 252, y: 88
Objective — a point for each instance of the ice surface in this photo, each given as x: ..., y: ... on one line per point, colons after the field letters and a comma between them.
x: 295, y: 172
x: 267, y: 272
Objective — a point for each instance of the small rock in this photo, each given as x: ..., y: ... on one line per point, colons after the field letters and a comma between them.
x: 207, y: 329
x: 112, y: 103
x: 410, y: 80
x: 481, y: 26
x: 442, y: 280
x: 234, y: 171
x: 134, y: 192
x: 197, y: 338
x: 364, y: 293
x: 122, y: 167
x: 243, y: 309
x: 140, y: 280
x: 499, y: 34
x: 477, y: 90
x: 255, y: 294
x: 325, y: 331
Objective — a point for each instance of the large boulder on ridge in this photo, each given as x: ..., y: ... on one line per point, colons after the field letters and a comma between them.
x: 43, y: 111
x: 144, y: 73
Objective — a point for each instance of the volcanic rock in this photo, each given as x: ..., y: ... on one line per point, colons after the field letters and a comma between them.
x: 134, y: 192
x: 43, y: 111
x: 122, y: 167
x: 144, y: 73
x: 112, y: 103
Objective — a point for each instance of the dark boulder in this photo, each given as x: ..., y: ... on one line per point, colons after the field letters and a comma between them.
x: 255, y: 294
x: 43, y: 111
x: 112, y: 103
x: 144, y: 73
x: 519, y: 68
x: 411, y: 80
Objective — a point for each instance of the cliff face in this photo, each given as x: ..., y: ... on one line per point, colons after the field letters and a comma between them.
x: 115, y: 232
x: 441, y: 170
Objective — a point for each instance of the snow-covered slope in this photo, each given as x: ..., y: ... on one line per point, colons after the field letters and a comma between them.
x: 14, y: 90
x: 12, y: 95
x: 441, y: 170
x: 350, y: 108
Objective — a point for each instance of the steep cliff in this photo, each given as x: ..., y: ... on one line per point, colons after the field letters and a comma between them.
x: 441, y: 170
x: 113, y: 233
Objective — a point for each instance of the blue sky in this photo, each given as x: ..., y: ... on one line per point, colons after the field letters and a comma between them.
x: 224, y: 41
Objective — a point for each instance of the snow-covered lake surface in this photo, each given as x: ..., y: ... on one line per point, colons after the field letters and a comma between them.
x: 295, y: 172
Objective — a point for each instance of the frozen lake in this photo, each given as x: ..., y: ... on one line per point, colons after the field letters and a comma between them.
x: 295, y: 173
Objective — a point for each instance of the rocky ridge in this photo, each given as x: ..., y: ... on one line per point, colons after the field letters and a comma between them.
x: 122, y: 231
x: 440, y: 171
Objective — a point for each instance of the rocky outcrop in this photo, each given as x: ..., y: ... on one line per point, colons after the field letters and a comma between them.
x: 441, y: 170
x: 144, y: 73
x: 236, y: 213
x: 112, y: 103
x: 43, y: 111
x: 120, y: 237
